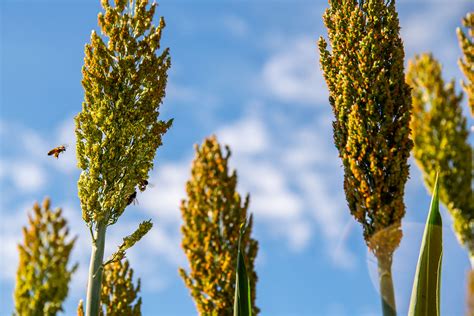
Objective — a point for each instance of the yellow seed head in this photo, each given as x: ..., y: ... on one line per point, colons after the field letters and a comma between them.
x: 212, y: 214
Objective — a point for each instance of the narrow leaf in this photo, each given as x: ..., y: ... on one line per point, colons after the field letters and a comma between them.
x: 242, y: 299
x: 425, y: 296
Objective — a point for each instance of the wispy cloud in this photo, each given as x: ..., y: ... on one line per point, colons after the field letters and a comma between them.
x: 247, y: 137
x: 291, y: 182
x: 291, y: 74
x: 27, y: 176
x: 26, y: 163
x: 166, y: 190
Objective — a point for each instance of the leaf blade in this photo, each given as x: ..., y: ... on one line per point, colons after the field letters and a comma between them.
x: 425, y: 296
x: 242, y: 298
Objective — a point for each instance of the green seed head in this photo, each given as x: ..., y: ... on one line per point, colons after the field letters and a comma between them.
x: 466, y: 41
x: 118, y: 130
x: 43, y: 275
x: 441, y: 142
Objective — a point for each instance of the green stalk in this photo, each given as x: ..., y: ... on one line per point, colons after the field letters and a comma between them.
x: 386, y: 285
x: 95, y: 272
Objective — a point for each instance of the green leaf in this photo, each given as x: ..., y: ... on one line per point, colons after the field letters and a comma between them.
x: 425, y: 296
x: 242, y: 299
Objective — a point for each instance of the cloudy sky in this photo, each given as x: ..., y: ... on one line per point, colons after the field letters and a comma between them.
x: 248, y: 72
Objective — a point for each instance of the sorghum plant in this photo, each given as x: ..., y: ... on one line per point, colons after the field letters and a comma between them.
x: 42, y: 279
x: 212, y: 215
x: 440, y: 134
x: 371, y: 103
x: 80, y: 308
x: 118, y: 130
x: 466, y: 41
x: 119, y: 296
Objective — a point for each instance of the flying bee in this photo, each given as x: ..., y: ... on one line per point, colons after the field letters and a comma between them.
x: 56, y: 151
x: 132, y: 198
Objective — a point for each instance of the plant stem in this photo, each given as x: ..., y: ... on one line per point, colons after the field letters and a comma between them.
x: 386, y: 285
x: 95, y: 272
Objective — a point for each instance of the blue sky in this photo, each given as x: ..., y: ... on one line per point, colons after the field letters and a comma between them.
x: 248, y: 72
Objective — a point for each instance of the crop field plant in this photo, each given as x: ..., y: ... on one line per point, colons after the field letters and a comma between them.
x: 382, y: 112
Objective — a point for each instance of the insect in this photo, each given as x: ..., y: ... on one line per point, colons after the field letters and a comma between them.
x: 132, y: 198
x: 56, y: 151
x: 142, y: 185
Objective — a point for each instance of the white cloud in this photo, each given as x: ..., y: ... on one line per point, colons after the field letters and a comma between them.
x: 299, y: 234
x: 273, y: 203
x: 288, y: 195
x: 270, y: 197
x: 246, y: 137
x: 331, y: 214
x: 9, y: 255
x: 33, y: 144
x: 27, y: 176
x: 276, y: 205
x: 166, y: 190
x: 309, y: 148
x: 29, y: 173
x: 327, y: 210
x: 164, y: 245
x: 292, y: 74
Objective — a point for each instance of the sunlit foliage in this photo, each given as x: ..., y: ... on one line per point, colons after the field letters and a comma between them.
x: 363, y: 69
x: 118, y: 130
x: 119, y: 296
x: 440, y: 134
x: 43, y: 275
x: 212, y: 215
x: 466, y: 41
x: 371, y: 104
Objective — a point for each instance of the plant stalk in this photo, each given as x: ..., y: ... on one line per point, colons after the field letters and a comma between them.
x: 95, y: 272
x: 387, y: 293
